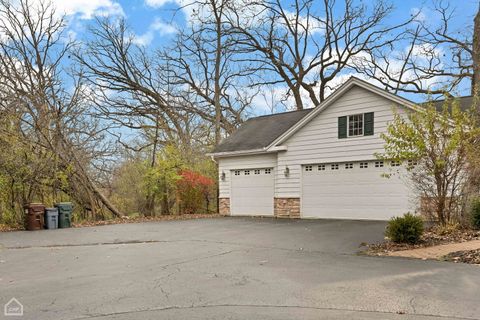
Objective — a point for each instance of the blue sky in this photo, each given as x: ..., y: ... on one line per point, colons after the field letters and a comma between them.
x: 143, y: 14
x: 154, y: 22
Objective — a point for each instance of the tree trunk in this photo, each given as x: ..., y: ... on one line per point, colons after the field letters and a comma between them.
x: 298, y: 99
x: 150, y: 198
x: 84, y: 180
x: 218, y: 57
x: 104, y: 200
x: 476, y: 55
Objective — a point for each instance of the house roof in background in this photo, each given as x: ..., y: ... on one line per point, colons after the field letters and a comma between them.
x: 464, y: 102
x: 260, y: 132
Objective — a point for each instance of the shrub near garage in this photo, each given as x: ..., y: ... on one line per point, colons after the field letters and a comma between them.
x: 475, y: 213
x: 195, y: 191
x: 406, y: 229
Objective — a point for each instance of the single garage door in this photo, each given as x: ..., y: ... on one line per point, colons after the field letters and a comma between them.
x: 357, y: 190
x: 252, y: 192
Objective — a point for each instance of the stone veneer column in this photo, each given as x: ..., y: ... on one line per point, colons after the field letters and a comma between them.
x: 224, y: 206
x: 287, y: 207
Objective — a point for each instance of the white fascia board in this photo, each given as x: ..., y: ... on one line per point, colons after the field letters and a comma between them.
x: 245, y: 152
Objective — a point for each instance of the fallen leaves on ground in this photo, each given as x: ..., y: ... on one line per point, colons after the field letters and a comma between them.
x: 468, y: 256
x: 122, y: 220
x: 431, y: 237
x: 6, y: 228
x: 127, y: 219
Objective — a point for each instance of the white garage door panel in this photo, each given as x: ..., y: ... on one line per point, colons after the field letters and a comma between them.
x: 358, y: 193
x: 252, y: 194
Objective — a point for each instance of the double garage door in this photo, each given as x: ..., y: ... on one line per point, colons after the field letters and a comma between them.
x: 252, y: 192
x: 358, y: 190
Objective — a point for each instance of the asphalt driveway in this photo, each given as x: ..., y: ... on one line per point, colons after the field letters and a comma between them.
x: 231, y: 268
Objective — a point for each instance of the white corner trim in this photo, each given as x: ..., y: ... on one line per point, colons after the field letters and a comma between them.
x: 333, y: 97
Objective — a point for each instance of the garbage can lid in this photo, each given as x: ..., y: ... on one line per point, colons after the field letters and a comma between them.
x: 64, y: 204
x: 34, y: 206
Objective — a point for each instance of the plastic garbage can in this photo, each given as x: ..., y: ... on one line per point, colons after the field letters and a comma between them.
x: 64, y: 214
x: 51, y: 218
x: 34, y: 215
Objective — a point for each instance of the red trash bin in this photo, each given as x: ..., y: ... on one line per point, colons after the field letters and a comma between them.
x: 34, y: 213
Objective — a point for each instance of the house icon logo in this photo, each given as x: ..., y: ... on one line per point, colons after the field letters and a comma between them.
x: 13, y: 308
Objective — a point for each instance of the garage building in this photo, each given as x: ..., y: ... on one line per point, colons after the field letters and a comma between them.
x: 317, y: 163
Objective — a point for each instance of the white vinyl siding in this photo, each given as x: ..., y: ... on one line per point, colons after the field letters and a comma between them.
x: 318, y: 142
x: 252, y: 162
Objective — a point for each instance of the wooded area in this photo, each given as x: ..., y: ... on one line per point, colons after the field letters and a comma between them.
x: 123, y: 129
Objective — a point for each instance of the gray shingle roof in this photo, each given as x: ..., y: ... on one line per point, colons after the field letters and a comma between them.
x: 465, y: 103
x: 260, y: 132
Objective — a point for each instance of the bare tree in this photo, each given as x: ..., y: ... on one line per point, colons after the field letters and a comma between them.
x: 136, y: 90
x: 437, y: 61
x: 308, y: 49
x: 206, y: 61
x: 125, y: 78
x: 51, y: 118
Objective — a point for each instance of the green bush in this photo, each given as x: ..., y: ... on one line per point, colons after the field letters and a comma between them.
x: 406, y: 229
x: 475, y: 213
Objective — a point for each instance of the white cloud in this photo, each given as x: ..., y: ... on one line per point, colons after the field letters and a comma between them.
x: 420, y: 15
x: 87, y: 9
x: 311, y: 25
x: 159, y: 3
x: 157, y: 27
x: 425, y: 51
x: 195, y: 11
x: 190, y: 8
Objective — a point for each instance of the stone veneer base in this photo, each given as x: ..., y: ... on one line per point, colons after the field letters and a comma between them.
x: 224, y: 206
x: 287, y: 207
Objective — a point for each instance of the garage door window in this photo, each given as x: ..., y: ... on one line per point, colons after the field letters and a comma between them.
x: 237, y: 172
x: 334, y: 166
x: 321, y: 167
x: 378, y: 164
x: 395, y: 163
x: 348, y: 165
x: 268, y: 171
x: 247, y: 172
x: 308, y: 168
x: 257, y: 171
x: 363, y: 165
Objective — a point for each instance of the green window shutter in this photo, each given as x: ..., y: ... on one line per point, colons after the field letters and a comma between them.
x: 368, y: 124
x: 342, y: 127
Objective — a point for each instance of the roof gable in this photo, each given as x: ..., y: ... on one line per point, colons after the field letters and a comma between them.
x: 353, y: 81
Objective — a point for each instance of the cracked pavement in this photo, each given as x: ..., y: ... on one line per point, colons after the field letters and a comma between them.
x: 227, y: 268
